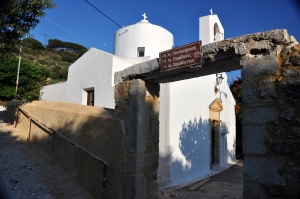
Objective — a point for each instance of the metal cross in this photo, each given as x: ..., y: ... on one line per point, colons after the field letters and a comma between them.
x: 144, y: 15
x: 211, y: 12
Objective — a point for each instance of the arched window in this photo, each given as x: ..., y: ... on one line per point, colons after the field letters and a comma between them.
x: 218, y: 36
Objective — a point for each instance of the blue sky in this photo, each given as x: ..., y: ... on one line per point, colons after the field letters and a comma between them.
x: 78, y: 22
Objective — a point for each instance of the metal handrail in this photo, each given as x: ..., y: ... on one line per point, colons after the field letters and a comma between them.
x: 31, y: 118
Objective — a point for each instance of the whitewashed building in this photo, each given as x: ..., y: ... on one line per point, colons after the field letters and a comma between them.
x: 197, y: 118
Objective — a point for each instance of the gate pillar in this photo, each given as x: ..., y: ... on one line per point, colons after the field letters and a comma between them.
x: 137, y: 104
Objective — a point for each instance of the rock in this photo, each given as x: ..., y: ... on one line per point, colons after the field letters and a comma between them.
x: 47, y: 197
x: 287, y: 147
x: 277, y: 191
x: 279, y: 132
x: 297, y: 121
x: 290, y: 72
x: 294, y: 174
x: 292, y: 90
x: 280, y: 104
x: 295, y: 60
x: 286, y: 63
x: 288, y: 114
x: 295, y: 130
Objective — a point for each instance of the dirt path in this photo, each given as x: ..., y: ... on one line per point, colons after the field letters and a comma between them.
x: 225, y: 185
x: 24, y: 174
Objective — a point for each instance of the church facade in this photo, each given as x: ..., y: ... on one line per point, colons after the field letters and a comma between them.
x: 197, y: 116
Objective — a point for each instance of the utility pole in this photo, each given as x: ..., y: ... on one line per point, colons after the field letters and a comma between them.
x: 17, y: 82
x: 45, y: 40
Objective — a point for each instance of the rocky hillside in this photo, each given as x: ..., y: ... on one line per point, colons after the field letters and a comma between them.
x: 57, y: 56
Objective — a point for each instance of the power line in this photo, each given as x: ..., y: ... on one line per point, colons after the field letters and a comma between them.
x: 69, y: 32
x: 59, y: 33
x: 103, y: 14
x: 50, y: 36
x: 64, y: 34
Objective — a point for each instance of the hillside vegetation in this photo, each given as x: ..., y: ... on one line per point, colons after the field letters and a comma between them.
x: 40, y: 66
x: 56, y: 57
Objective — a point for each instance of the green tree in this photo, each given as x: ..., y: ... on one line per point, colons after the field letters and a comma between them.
x: 33, y: 44
x: 17, y: 18
x: 32, y: 78
x: 69, y: 56
x: 236, y: 90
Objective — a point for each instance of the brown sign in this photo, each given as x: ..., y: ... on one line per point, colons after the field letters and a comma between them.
x: 183, y: 56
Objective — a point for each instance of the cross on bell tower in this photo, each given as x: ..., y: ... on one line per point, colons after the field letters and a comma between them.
x: 145, y: 17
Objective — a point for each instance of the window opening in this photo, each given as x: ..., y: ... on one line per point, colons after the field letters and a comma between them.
x: 141, y: 51
x: 90, y: 97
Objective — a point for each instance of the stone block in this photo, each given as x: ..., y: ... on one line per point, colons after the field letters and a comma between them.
x: 254, y: 138
x: 290, y: 72
x: 253, y: 190
x: 268, y: 91
x: 259, y: 115
x: 295, y: 60
x: 265, y: 170
x: 297, y: 121
x: 296, y: 131
x: 279, y: 132
x: 121, y: 91
x: 152, y: 89
x: 292, y: 90
x: 141, y: 68
x: 153, y: 189
x: 137, y: 87
x: 250, y: 92
x: 280, y: 104
x: 278, y: 191
x: 267, y: 87
x: 150, y: 66
x: 294, y: 174
x: 288, y: 114
x: 254, y: 65
x: 136, y: 125
x: 287, y: 147
x: 142, y: 163
x: 134, y: 187
x: 118, y: 77
x: 266, y: 82
x: 293, y: 41
x: 155, y: 134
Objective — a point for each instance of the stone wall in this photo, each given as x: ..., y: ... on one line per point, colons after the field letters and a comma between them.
x: 137, y: 104
x: 271, y: 122
x: 271, y: 104
x: 93, y: 128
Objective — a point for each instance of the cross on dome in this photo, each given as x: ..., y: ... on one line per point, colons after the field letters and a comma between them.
x: 211, y: 12
x: 144, y: 15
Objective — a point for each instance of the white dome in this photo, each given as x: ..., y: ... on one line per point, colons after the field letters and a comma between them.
x: 141, y: 40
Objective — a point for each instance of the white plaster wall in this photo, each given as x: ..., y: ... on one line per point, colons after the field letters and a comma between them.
x: 95, y: 69
x: 185, y: 132
x: 228, y: 117
x: 142, y: 34
x: 206, y: 33
x: 190, y: 128
x: 119, y: 64
x: 164, y: 131
x: 54, y: 92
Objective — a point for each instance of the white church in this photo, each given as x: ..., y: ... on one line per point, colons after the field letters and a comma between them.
x: 197, y: 116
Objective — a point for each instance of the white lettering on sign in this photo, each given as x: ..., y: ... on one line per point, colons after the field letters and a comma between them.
x: 185, y: 50
x: 184, y: 56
